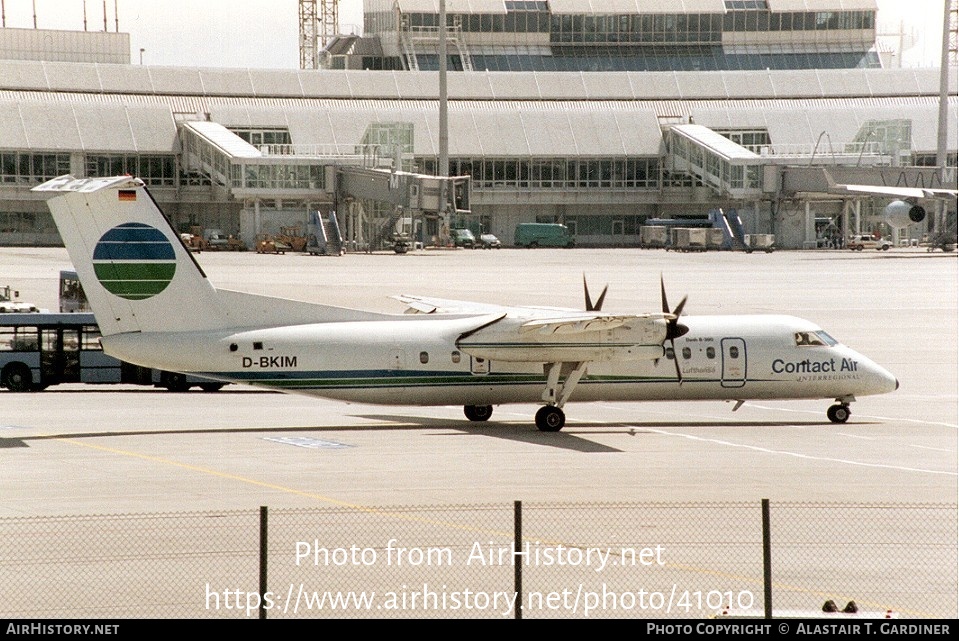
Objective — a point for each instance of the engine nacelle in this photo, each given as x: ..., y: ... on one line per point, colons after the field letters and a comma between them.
x: 900, y: 213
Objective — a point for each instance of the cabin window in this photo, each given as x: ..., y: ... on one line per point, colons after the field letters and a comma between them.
x: 734, y: 352
x: 669, y: 353
x: 687, y: 353
x: 455, y: 356
x: 257, y: 345
x: 424, y: 357
x: 710, y: 352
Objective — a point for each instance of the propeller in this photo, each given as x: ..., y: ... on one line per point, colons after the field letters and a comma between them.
x: 590, y: 306
x: 674, y: 329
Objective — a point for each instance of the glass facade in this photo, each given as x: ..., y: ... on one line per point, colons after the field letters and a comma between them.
x: 798, y: 21
x: 257, y: 136
x: 641, y: 28
x: 26, y: 168
x: 155, y: 171
x: 553, y: 173
x: 620, y: 59
x: 308, y: 176
x: 543, y: 41
x: 752, y: 139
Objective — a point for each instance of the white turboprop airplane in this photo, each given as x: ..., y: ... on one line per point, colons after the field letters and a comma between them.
x: 156, y: 308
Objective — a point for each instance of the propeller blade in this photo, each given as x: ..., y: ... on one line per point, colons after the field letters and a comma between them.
x: 679, y: 374
x: 674, y: 329
x: 662, y: 287
x: 599, y: 301
x: 679, y: 308
x: 598, y: 306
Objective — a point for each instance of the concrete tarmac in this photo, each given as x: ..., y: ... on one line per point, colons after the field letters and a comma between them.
x: 83, y: 449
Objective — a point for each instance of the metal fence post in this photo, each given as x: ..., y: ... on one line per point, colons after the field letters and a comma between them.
x: 767, y: 563
x: 517, y: 555
x: 263, y: 559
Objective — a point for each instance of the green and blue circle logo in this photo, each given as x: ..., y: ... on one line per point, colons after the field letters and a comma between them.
x: 134, y: 261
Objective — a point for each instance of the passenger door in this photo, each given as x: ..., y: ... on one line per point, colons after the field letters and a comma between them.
x: 734, y: 362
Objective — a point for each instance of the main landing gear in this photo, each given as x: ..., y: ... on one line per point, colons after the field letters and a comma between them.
x: 549, y: 418
x: 478, y: 412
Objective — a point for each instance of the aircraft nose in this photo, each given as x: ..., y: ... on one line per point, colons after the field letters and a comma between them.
x: 879, y: 380
x: 889, y: 383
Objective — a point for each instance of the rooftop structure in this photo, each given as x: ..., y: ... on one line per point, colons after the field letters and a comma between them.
x: 618, y: 35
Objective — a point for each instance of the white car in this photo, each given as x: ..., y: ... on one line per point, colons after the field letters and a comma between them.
x: 860, y: 242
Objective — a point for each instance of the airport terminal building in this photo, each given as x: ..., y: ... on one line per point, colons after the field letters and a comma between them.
x: 559, y: 111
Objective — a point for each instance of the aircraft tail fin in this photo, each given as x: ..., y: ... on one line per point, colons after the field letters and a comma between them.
x: 135, y: 270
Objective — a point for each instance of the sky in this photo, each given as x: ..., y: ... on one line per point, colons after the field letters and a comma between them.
x: 264, y: 33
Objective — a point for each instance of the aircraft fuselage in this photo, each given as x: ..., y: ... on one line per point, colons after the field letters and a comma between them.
x: 421, y: 360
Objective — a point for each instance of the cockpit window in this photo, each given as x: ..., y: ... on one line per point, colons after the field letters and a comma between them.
x: 814, y: 339
x: 826, y: 338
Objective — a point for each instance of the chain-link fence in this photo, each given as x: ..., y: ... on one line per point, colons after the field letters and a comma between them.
x: 573, y: 561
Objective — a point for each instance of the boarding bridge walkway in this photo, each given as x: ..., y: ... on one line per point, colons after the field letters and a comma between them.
x: 733, y: 171
x: 270, y: 171
x: 729, y: 169
x: 343, y: 172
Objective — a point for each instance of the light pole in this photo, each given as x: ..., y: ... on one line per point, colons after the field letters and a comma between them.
x: 141, y: 54
x: 443, y: 172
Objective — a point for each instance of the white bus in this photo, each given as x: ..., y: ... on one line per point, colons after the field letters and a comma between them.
x: 42, y: 349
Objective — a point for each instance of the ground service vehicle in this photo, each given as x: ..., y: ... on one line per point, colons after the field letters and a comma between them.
x: 9, y: 302
x: 43, y: 349
x: 72, y: 298
x: 542, y: 235
x: 860, y: 242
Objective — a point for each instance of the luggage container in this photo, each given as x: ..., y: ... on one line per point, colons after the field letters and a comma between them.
x: 760, y: 242
x: 653, y: 236
x: 715, y: 238
x: 688, y: 239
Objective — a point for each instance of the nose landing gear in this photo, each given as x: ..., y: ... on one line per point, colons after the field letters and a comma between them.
x: 839, y: 413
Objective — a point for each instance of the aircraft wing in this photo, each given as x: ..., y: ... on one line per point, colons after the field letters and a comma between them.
x: 546, y: 319
x: 548, y: 334
x: 901, y: 192
x: 428, y: 305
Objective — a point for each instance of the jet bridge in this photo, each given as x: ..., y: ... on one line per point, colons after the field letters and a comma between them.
x: 410, y: 195
x: 335, y: 176
x: 728, y: 168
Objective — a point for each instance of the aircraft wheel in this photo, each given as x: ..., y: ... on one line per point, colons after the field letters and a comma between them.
x: 838, y: 413
x: 478, y: 412
x: 211, y: 387
x: 550, y: 418
x: 176, y: 382
x: 18, y: 378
